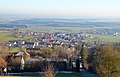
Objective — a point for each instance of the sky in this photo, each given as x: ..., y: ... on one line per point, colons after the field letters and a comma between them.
x: 61, y: 8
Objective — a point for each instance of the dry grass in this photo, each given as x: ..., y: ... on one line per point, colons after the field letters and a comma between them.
x: 49, y: 71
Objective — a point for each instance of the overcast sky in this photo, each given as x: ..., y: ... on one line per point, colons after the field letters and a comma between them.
x: 61, y: 8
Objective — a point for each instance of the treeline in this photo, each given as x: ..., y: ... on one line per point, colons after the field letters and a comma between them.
x: 12, y: 26
x: 103, y: 60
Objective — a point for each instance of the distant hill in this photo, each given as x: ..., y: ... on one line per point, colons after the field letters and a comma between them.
x: 69, y: 22
x: 83, y: 22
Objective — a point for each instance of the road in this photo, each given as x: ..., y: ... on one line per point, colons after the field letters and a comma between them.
x: 85, y: 73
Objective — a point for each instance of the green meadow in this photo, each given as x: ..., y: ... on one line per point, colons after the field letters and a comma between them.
x: 6, y: 36
x: 108, y: 38
x: 9, y: 36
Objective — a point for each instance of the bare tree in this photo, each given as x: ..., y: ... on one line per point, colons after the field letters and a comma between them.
x: 49, y: 71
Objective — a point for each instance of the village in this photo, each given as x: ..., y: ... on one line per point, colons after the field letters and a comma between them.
x: 61, y: 49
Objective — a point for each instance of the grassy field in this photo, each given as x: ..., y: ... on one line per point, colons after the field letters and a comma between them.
x: 108, y: 38
x: 9, y: 36
x: 56, y: 29
x: 5, y: 37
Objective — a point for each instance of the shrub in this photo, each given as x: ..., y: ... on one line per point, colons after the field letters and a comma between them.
x: 49, y: 71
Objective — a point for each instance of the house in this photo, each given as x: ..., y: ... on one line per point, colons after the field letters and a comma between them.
x: 29, y: 44
x: 22, y: 56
